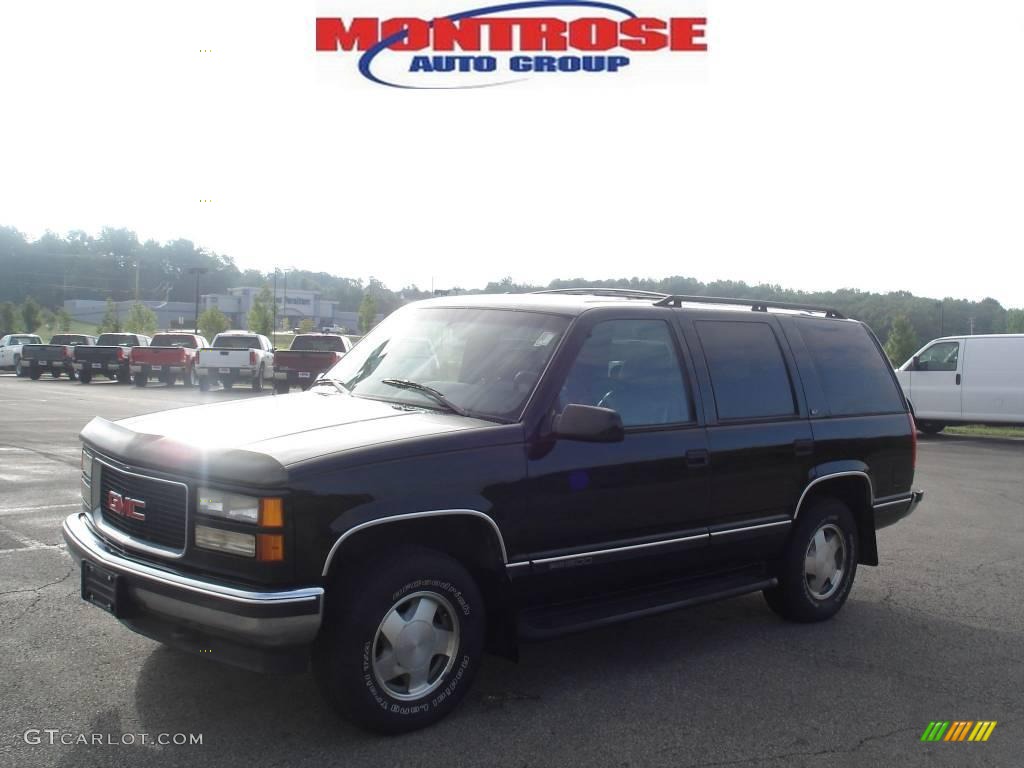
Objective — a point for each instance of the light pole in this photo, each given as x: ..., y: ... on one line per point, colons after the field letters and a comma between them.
x: 197, y: 271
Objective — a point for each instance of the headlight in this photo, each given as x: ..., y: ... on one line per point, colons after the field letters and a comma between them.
x: 226, y: 541
x: 86, y: 465
x: 230, y: 506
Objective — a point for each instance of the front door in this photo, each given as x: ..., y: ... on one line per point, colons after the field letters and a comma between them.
x: 621, y: 513
x: 935, y: 377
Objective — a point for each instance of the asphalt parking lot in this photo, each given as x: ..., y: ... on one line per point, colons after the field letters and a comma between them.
x: 935, y: 633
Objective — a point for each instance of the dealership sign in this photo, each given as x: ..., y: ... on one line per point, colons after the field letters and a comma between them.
x: 507, y: 43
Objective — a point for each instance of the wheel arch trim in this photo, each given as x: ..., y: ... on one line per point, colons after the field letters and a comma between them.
x: 834, y: 476
x: 474, y: 513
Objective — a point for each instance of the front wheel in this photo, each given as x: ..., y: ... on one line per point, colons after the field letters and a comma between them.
x: 141, y: 379
x: 819, y: 564
x: 34, y: 373
x: 204, y: 384
x: 281, y: 387
x: 930, y: 427
x: 403, y: 640
x: 85, y: 376
x: 227, y: 384
x: 55, y: 373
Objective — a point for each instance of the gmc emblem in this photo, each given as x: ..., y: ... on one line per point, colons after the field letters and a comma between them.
x: 125, y: 507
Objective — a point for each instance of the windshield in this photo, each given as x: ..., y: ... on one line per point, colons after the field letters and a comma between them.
x: 116, y: 340
x: 174, y: 340
x: 485, y: 361
x: 236, y: 342
x: 318, y: 344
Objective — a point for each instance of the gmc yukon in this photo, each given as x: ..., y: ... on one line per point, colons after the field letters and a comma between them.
x: 482, y: 470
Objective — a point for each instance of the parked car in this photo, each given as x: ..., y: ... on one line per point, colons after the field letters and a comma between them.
x: 309, y: 355
x: 480, y: 470
x: 236, y: 356
x: 168, y: 357
x: 111, y: 356
x: 966, y: 380
x: 57, y: 357
x: 10, y: 350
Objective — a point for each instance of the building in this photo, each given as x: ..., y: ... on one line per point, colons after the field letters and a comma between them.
x: 169, y: 314
x: 293, y: 306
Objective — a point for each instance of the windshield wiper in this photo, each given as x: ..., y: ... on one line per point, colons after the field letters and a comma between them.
x: 336, y: 383
x: 429, y: 391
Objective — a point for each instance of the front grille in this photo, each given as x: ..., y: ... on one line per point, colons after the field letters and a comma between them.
x: 165, y: 510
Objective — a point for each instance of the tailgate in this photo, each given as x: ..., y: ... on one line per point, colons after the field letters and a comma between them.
x: 303, y: 361
x: 224, y: 358
x: 98, y: 354
x: 158, y: 355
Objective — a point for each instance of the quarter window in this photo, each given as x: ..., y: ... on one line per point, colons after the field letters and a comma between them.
x: 630, y: 366
x: 748, y: 372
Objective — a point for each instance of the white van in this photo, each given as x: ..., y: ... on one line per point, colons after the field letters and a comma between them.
x: 966, y: 380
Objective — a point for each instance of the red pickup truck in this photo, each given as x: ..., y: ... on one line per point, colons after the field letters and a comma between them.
x: 309, y: 355
x: 168, y: 356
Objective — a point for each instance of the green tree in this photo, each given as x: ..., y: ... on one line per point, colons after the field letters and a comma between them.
x: 30, y: 314
x: 902, y: 341
x: 111, y: 322
x: 212, y: 322
x: 1015, y: 321
x: 7, y: 321
x: 63, y: 320
x: 367, y: 312
x: 141, y: 319
x: 261, y: 316
x: 306, y: 326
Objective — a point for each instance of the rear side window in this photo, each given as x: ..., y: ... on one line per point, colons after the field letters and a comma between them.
x: 748, y: 373
x: 854, y: 375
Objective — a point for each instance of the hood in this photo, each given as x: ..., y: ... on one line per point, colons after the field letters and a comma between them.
x: 254, y: 441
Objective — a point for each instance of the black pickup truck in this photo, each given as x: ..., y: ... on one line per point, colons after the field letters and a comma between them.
x: 482, y: 470
x: 110, y: 356
x: 57, y: 357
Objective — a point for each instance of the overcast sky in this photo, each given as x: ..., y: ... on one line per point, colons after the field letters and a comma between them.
x: 877, y: 145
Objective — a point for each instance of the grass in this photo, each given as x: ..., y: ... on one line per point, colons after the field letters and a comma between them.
x: 980, y: 431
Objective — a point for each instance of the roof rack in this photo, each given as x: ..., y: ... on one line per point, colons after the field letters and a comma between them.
x: 625, y: 293
x: 756, y: 305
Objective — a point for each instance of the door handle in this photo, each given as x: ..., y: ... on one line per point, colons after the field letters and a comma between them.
x: 697, y: 458
x: 958, y: 379
x: 803, y: 447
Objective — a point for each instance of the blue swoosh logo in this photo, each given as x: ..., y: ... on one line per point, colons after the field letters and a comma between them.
x: 367, y: 58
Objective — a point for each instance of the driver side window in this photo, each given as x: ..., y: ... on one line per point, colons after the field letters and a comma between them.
x: 939, y: 357
x: 632, y: 367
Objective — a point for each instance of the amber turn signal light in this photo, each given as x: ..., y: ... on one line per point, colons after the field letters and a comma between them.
x: 270, y: 547
x: 271, y: 513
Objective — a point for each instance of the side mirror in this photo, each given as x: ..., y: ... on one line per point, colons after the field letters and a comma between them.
x: 916, y: 365
x: 589, y: 424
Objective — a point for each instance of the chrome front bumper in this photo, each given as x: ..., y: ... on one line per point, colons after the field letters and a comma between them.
x: 271, y: 619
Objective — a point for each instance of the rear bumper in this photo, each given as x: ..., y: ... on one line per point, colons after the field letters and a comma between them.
x: 267, y: 630
x: 236, y: 373
x: 892, y: 511
x: 176, y: 368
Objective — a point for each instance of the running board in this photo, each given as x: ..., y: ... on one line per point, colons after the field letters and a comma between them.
x: 552, y: 621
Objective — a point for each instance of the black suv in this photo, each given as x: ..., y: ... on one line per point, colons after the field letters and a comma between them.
x: 483, y: 469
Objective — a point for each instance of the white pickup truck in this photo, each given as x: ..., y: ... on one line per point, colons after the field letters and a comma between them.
x: 10, y: 350
x: 236, y: 356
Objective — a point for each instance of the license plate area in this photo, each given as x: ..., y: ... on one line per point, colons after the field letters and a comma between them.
x: 103, y: 588
x: 157, y: 367
x: 223, y: 370
x: 303, y: 374
x: 97, y: 365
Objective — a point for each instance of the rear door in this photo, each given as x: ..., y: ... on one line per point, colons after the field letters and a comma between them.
x: 936, y: 374
x: 761, y: 443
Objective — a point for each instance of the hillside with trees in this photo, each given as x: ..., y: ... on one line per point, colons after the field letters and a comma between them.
x: 115, y: 265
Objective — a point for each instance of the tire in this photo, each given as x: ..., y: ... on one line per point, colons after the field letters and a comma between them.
x: 71, y: 375
x: 930, y: 427
x: 55, y: 373
x: 189, y: 378
x: 34, y: 373
x: 204, y: 384
x: 257, y: 382
x: 227, y: 384
x: 85, y: 376
x: 141, y: 379
x: 17, y: 366
x: 351, y: 652
x: 168, y: 379
x: 281, y: 387
x: 123, y: 378
x: 805, y: 596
